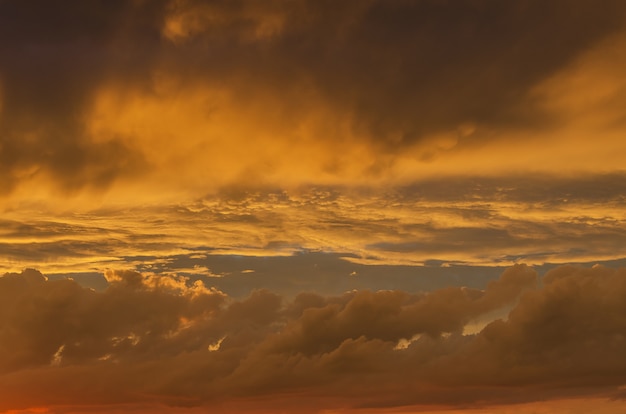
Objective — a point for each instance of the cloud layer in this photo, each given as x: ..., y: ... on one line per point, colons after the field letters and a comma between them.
x: 162, y: 340
x: 119, y: 95
x: 461, y: 220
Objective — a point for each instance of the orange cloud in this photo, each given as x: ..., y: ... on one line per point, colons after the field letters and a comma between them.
x: 309, y: 146
x: 192, y: 96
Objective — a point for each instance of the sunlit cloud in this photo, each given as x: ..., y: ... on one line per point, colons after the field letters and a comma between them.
x: 279, y: 206
x: 469, y: 221
x: 224, y: 94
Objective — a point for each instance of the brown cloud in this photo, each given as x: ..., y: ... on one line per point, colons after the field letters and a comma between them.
x: 209, y: 130
x: 149, y: 339
x: 53, y: 58
x: 403, y: 69
x: 97, y: 91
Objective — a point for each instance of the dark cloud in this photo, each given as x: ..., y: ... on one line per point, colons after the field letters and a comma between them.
x: 323, y: 273
x: 405, y: 69
x: 423, y: 67
x: 536, y: 190
x: 53, y: 59
x: 401, y: 71
x: 163, y: 339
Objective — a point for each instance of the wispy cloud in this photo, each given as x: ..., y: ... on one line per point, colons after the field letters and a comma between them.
x: 456, y: 220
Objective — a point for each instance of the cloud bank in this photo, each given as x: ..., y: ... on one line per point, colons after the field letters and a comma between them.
x: 461, y: 220
x: 161, y: 340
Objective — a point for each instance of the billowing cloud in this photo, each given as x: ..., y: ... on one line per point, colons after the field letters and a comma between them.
x: 53, y: 58
x: 126, y: 93
x: 161, y: 340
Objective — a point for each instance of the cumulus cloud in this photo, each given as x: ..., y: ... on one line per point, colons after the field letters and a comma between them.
x: 149, y: 339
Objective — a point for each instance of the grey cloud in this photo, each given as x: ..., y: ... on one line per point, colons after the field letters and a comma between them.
x: 324, y: 273
x: 528, y: 189
x: 455, y: 238
x: 538, y: 190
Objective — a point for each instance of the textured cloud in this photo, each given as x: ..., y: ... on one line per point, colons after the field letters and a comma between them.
x: 403, y: 69
x: 53, y: 58
x: 155, y: 339
x: 96, y: 93
x: 294, y: 193
x: 471, y: 220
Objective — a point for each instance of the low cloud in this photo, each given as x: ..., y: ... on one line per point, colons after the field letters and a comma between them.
x: 153, y: 340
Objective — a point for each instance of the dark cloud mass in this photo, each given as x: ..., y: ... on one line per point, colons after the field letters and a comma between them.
x: 399, y: 70
x: 158, y: 338
x: 53, y: 58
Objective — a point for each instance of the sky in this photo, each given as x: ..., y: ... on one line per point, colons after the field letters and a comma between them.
x: 312, y: 206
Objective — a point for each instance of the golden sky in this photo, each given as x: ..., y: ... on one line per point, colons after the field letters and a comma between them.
x: 352, y: 206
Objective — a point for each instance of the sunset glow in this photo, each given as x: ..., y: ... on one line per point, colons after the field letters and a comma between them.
x: 309, y: 206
